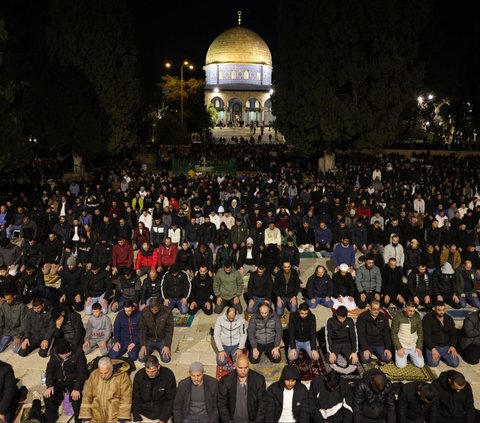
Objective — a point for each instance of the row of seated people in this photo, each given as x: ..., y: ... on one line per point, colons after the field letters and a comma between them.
x: 108, y: 394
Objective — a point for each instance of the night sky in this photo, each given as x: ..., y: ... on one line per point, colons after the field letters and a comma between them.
x: 175, y: 31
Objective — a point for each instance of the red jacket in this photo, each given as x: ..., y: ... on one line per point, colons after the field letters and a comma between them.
x: 122, y: 256
x: 147, y: 258
x: 140, y: 238
x: 167, y: 256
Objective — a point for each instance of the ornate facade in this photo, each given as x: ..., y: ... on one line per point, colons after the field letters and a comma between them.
x: 238, y: 70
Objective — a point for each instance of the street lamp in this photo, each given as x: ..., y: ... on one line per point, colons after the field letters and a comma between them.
x: 185, y: 64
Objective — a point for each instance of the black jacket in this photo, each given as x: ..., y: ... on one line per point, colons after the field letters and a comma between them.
x: 72, y: 328
x: 392, y: 282
x: 72, y: 369
x: 373, y: 332
x: 283, y: 289
x: 419, y: 284
x: 156, y: 328
x: 151, y: 288
x: 227, y: 396
x: 185, y: 259
x: 102, y: 254
x: 38, y: 326
x: 8, y: 387
x: 369, y: 407
x: 95, y: 285
x: 71, y: 284
x: 52, y: 251
x: 442, y: 284
x: 242, y: 256
x: 184, y: 396
x: 202, y: 289
x: 175, y: 286
x: 260, y: 286
x: 343, y: 285
x: 154, y: 398
x: 337, y: 333
x: 435, y: 334
x: 454, y: 407
x: 302, y: 330
x: 203, y: 259
x: 335, y: 406
x: 274, y: 398
x: 411, y: 409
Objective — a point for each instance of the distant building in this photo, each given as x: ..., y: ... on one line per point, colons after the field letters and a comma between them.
x: 238, y: 70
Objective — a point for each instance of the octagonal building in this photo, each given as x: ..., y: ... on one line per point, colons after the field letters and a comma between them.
x: 238, y: 70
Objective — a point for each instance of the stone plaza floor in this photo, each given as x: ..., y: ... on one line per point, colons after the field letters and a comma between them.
x: 195, y: 344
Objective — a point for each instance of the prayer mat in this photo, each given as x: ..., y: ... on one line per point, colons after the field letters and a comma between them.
x: 308, y: 368
x: 308, y: 255
x: 225, y: 370
x: 327, y: 368
x: 271, y: 371
x: 283, y: 318
x: 407, y: 374
x: 182, y: 320
x: 458, y: 314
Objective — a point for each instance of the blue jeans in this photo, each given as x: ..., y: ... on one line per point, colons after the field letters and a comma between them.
x: 417, y: 361
x: 470, y: 299
x: 88, y: 308
x: 5, y: 342
x: 378, y: 351
x: 177, y: 302
x: 257, y: 301
x: 155, y: 346
x: 302, y: 346
x: 230, y: 350
x: 132, y: 355
x: 321, y: 301
x: 444, y: 355
x: 286, y: 302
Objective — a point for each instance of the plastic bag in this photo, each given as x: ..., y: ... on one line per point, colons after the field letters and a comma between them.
x: 67, y: 407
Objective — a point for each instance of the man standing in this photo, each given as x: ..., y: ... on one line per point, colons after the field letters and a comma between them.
x: 228, y: 288
x: 407, y: 336
x: 302, y: 333
x: 368, y: 282
x: 156, y: 331
x: 374, y: 334
x: 440, y: 337
x: 107, y: 395
x: 240, y: 394
x: 66, y: 371
x: 154, y: 389
x: 455, y: 398
x: 196, y: 399
x: 287, y: 400
x: 342, y: 341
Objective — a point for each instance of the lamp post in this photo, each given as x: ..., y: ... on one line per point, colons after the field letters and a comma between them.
x: 185, y: 64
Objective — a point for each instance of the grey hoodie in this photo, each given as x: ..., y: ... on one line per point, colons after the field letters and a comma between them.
x: 98, y: 328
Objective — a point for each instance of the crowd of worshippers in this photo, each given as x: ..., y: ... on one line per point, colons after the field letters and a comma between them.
x: 107, y: 394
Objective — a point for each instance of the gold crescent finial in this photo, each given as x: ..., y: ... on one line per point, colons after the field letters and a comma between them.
x: 239, y: 17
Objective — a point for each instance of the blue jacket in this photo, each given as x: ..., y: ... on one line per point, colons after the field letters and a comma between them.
x: 126, y: 329
x: 343, y: 255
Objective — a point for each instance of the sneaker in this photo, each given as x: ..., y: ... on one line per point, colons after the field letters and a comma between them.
x: 23, y: 393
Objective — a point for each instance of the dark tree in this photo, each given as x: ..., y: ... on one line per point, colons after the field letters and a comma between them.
x: 345, y: 71
x: 95, y: 38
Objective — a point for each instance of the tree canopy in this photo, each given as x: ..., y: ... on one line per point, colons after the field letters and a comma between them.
x: 345, y: 71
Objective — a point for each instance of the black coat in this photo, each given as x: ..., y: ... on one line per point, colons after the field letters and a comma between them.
x: 369, y: 407
x: 411, y: 409
x: 454, y: 407
x: 72, y: 328
x: 435, y: 334
x: 339, y: 400
x: 8, y: 388
x: 184, y: 395
x: 227, y: 396
x: 373, y: 332
x: 274, y: 403
x: 72, y: 369
x: 154, y: 398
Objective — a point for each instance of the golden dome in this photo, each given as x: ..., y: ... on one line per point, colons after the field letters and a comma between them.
x: 239, y: 45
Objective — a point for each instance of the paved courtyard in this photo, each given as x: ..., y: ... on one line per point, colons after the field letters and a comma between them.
x: 195, y: 344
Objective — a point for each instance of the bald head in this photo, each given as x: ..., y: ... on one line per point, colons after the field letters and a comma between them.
x: 242, y: 365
